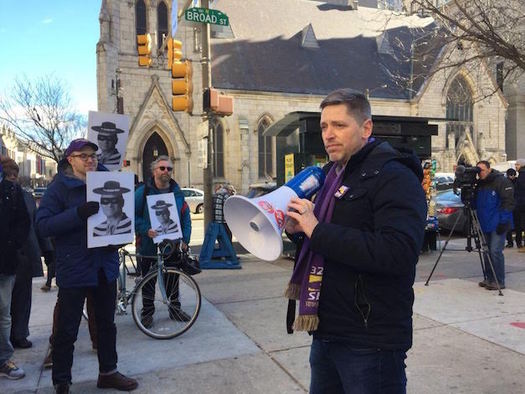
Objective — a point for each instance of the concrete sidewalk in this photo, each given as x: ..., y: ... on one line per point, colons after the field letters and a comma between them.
x: 466, y: 339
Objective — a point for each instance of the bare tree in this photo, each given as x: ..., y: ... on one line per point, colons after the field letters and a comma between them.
x: 40, y: 112
x: 479, y: 31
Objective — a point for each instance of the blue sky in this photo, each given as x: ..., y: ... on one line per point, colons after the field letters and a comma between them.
x: 51, y: 36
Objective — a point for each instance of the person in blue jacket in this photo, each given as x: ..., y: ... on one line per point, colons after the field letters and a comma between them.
x: 494, y: 202
x: 63, y: 214
x: 160, y: 183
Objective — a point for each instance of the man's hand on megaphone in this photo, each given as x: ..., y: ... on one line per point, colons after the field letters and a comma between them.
x: 152, y: 233
x: 301, y: 217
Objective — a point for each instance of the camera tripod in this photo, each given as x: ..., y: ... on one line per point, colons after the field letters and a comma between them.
x: 474, y: 232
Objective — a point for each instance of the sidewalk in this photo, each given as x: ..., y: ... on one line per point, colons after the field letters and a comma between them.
x: 466, y: 339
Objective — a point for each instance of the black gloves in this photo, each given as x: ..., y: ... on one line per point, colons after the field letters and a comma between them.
x: 502, y: 227
x: 86, y: 210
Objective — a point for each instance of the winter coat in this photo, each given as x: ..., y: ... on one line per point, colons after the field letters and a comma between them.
x: 371, y: 247
x: 520, y: 188
x: 14, y: 225
x: 145, y: 245
x: 29, y: 256
x: 76, y: 265
x: 494, y: 201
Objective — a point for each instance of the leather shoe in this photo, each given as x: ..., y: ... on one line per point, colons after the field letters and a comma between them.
x: 493, y: 286
x: 116, y: 381
x: 147, y: 321
x: 22, y: 344
x: 62, y: 388
x: 483, y: 283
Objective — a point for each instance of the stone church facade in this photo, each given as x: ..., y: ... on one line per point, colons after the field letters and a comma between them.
x: 275, y: 63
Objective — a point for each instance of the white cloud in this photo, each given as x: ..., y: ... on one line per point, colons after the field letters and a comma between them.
x: 47, y: 21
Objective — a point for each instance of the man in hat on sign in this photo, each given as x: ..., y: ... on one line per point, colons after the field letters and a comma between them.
x: 112, y: 203
x: 107, y: 141
x: 167, y: 225
x: 63, y: 214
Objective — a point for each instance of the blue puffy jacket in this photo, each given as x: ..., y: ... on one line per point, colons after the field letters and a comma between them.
x: 145, y: 245
x: 494, y: 201
x: 76, y: 265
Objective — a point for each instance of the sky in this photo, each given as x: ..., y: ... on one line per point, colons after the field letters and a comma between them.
x: 56, y: 37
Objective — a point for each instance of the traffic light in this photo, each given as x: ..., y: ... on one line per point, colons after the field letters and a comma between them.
x: 217, y: 102
x: 144, y: 49
x: 181, y: 84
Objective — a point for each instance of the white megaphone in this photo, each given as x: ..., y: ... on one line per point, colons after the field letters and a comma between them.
x: 257, y: 223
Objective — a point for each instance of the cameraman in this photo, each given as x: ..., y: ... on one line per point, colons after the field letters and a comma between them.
x: 494, y: 201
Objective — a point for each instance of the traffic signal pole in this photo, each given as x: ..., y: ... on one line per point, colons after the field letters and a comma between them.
x: 206, y: 83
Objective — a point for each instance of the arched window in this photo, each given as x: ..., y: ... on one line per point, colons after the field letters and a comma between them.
x: 140, y: 17
x: 459, y: 108
x: 218, y: 150
x: 265, y: 150
x: 162, y: 22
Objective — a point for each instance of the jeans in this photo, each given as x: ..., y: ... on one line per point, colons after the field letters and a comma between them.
x: 339, y: 368
x: 7, y: 283
x: 496, y: 244
x: 70, y: 305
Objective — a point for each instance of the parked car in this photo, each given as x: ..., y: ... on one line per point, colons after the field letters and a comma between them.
x: 194, y: 198
x: 38, y: 192
x: 260, y: 189
x: 444, y: 181
x: 448, y: 208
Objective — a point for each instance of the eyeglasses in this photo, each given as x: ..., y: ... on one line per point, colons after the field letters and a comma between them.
x: 105, y: 137
x: 108, y: 200
x: 162, y: 168
x: 85, y: 156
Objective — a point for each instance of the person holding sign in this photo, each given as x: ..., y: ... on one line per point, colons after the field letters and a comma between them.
x: 63, y: 214
x: 160, y: 183
x: 112, y: 202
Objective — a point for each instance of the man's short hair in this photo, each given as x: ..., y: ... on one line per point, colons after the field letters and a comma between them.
x: 158, y: 160
x: 511, y: 172
x: 9, y: 166
x: 484, y: 162
x: 356, y: 103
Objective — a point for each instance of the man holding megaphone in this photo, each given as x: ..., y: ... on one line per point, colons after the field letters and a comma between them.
x: 357, y: 253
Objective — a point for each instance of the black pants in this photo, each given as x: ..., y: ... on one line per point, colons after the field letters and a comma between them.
x: 21, y: 304
x: 50, y: 261
x: 148, y: 292
x: 70, y: 304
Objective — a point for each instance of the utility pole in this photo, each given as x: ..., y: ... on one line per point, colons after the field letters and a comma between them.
x: 206, y: 83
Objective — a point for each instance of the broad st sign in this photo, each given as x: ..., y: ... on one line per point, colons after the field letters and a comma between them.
x: 206, y: 15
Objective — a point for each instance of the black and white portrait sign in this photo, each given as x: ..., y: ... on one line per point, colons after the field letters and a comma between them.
x: 110, y: 132
x: 164, y: 217
x: 114, y: 224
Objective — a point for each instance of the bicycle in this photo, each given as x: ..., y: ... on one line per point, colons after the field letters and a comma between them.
x: 168, y: 290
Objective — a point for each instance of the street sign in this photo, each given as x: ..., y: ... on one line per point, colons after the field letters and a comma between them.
x: 206, y: 15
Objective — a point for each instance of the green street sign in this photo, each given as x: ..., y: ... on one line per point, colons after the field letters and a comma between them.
x: 206, y: 15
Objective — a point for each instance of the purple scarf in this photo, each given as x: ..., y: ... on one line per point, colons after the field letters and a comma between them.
x: 305, y: 283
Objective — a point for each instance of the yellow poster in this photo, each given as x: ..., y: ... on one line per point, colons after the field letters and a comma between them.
x: 288, y: 167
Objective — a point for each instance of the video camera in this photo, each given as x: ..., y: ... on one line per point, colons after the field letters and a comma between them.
x: 466, y: 179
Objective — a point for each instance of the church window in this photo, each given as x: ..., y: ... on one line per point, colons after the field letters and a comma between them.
x: 265, y: 150
x: 459, y: 108
x: 140, y: 17
x: 218, y: 150
x: 162, y: 22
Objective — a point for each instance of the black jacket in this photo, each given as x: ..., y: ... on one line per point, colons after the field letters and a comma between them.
x: 520, y: 188
x: 14, y: 225
x: 371, y: 248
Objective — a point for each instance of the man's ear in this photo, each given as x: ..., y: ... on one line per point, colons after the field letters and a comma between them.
x: 367, y: 128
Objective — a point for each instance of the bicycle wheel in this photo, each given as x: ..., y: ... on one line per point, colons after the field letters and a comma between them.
x: 165, y: 320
